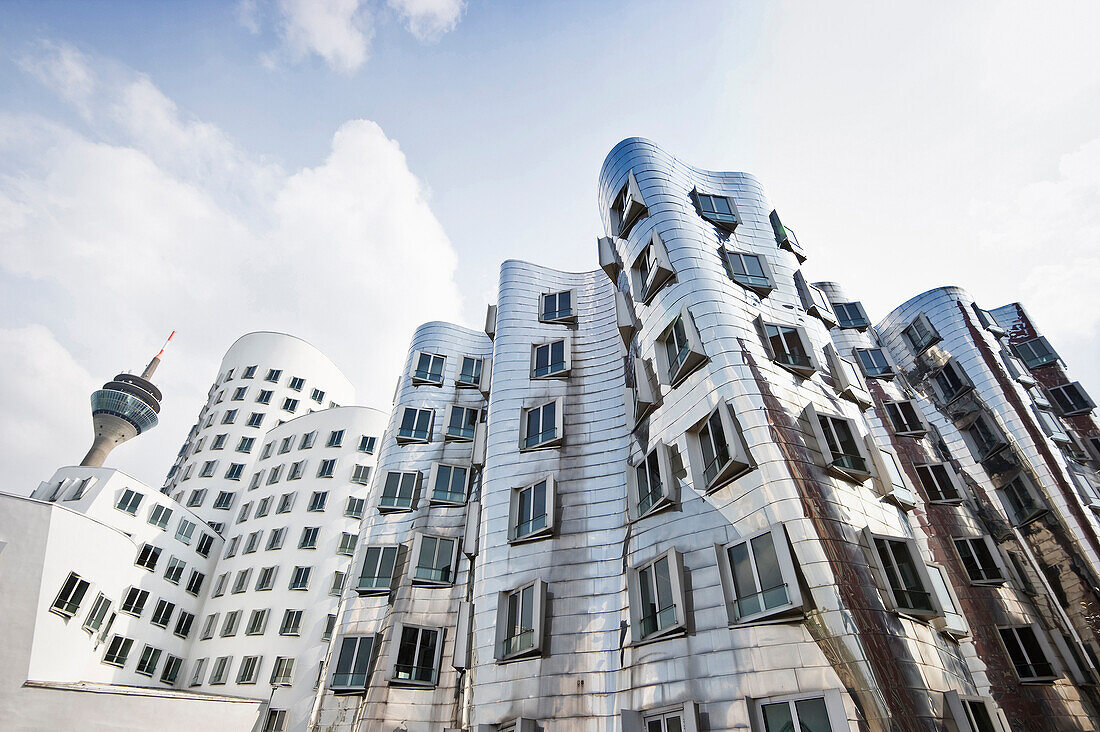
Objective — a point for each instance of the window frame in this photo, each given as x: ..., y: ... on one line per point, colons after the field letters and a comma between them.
x: 415, y: 435
x: 365, y: 667
x: 1035, y: 361
x: 538, y: 621
x: 550, y: 492
x: 932, y: 339
x: 1045, y: 647
x: 794, y: 606
x: 834, y: 708
x: 888, y: 591
x: 862, y: 323
x: 728, y: 222
x: 395, y: 654
x: 68, y: 607
x: 427, y: 378
x: 679, y: 625
x: 890, y: 369
x: 762, y: 284
x: 785, y: 359
x: 627, y: 207
x: 848, y: 379
x: 566, y: 363
x: 414, y: 497
x: 851, y: 472
x: 465, y: 433
x: 414, y: 560
x: 738, y: 462
x: 658, y: 270
x: 1081, y: 403
x: 559, y: 424
x: 669, y: 485
x: 929, y: 469
x: 461, y: 382
x: 568, y: 318
x: 900, y: 422
x: 994, y: 555
x: 433, y: 478
x: 690, y: 355
x: 376, y: 588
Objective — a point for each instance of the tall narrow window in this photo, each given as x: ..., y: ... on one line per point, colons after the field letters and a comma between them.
x: 652, y: 486
x: 939, y: 482
x: 986, y: 441
x: 761, y: 577
x: 352, y: 663
x: 520, y: 621
x: 96, y: 615
x: 679, y: 349
x: 651, y: 270
x: 627, y: 208
x: 905, y: 577
x: 716, y: 451
x: 657, y: 597
x: 951, y: 381
x: 532, y: 511
x: 418, y: 656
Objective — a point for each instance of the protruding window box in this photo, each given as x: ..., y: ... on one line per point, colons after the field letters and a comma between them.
x: 628, y: 207
x: 1030, y: 652
x: 471, y: 372
x: 889, y: 477
x: 433, y: 560
x: 491, y: 321
x: 679, y: 349
x: 520, y: 622
x: 716, y: 451
x: 875, y: 363
x: 902, y: 575
x: 840, y: 444
x: 652, y: 270
x: 651, y: 484
x: 658, y: 607
x: 1071, y: 399
x: 788, y: 346
x: 449, y: 483
x: 951, y: 623
x: 353, y: 663
x: 987, y: 441
x: 400, y: 492
x: 921, y: 334
x: 719, y: 210
x: 427, y: 368
x: 751, y: 271
x: 461, y: 423
x: 609, y: 258
x: 851, y: 315
x: 1022, y: 500
x: 758, y: 578
x: 643, y: 396
x: 378, y: 568
x: 905, y: 418
x: 786, y: 239
x: 552, y: 360
x: 940, y: 482
x: 951, y: 383
x: 416, y: 425
x: 624, y: 317
x: 541, y: 426
x: 1036, y: 352
x: 531, y: 511
x: 847, y: 379
x: 814, y: 301
x: 557, y: 307
x: 982, y: 560
x: 415, y: 655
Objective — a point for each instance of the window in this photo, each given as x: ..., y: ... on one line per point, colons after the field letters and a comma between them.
x: 1035, y: 352
x: 367, y: 443
x: 985, y: 441
x: 232, y: 620
x: 751, y: 271
x: 219, y: 441
x: 627, y: 207
x: 376, y: 573
x: 266, y: 579
x: 902, y: 575
x: 171, y: 670
x: 183, y: 624
x: 245, y: 445
x: 257, y: 622
x: 847, y: 379
x: 309, y: 537
x: 541, y: 426
x: 292, y: 623
x: 133, y: 602
x: 220, y: 670
x: 99, y: 610
x: 549, y: 360
x: 241, y: 583
x: 290, y: 405
x: 715, y: 451
x: 651, y: 270
x: 557, y: 307
x: 469, y: 372
x: 249, y: 670
x: 196, y: 498
x: 758, y: 577
x: 982, y: 561
x: 399, y: 491
x: 851, y: 315
x: 520, y: 617
x: 840, y: 445
x: 296, y: 383
x: 264, y: 397
x: 972, y: 714
x: 299, y: 580
x: 274, y: 475
x: 1029, y: 652
x: 416, y: 425
x: 249, y: 372
x: 129, y: 501
x: 347, y: 544
x: 318, y: 396
x: 718, y: 210
x: 427, y: 368
x: 806, y: 713
x: 327, y: 468
x: 225, y: 498
x: 275, y: 538
x: 307, y: 440
x: 283, y: 672
x: 679, y: 349
x: 1021, y: 499
x: 239, y: 392
x: 275, y: 721
x: 206, y: 472
x: 353, y: 663
x: 531, y: 511
x: 339, y: 579
x: 219, y: 585
x: 449, y: 484
x: 148, y: 556
x: 273, y: 375
x: 230, y: 416
x: 243, y: 514
x: 68, y: 600
x: 296, y: 470
x: 939, y: 482
x: 786, y: 238
x: 418, y: 656
x: 199, y: 672
x: 789, y: 347
x: 160, y: 515
x: 679, y: 718
x: 335, y: 438
x: 905, y: 418
x: 951, y: 381
x: 317, y: 501
x: 194, y: 582
x: 814, y: 301
x: 361, y: 474
x: 875, y: 363
x: 209, y: 626
x: 1071, y: 399
x: 206, y: 542
x: 921, y: 334
x: 118, y: 650
x: 436, y: 558
x: 253, y: 542
x: 286, y: 503
x: 657, y: 607
x: 330, y: 624
x: 461, y: 423
x: 354, y: 507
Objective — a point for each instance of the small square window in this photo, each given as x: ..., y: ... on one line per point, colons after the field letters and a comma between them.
x: 290, y: 405
x: 317, y: 396
x: 717, y: 209
x: 367, y: 443
x: 788, y: 346
x: 400, y: 491
x: 194, y: 582
x: 292, y: 622
x: 281, y: 675
x: 557, y: 307
x: 229, y: 627
x: 263, y: 507
x: 361, y: 474
x: 449, y: 483
x: 751, y: 271
x: 327, y: 468
x: 299, y: 579
x: 224, y: 499
x: 986, y: 441
x: 921, y: 334
x: 286, y: 503
x: 162, y: 613
x: 220, y: 670
x: 652, y: 270
x: 133, y: 602
x: 905, y: 418
x: 416, y: 425
x: 851, y: 315
x: 296, y: 383
x: 317, y: 501
x: 249, y: 372
x: 219, y: 441
x: 552, y: 359
x: 427, y: 368
x: 118, y: 650
x: 520, y: 621
x: 951, y: 381
x: 347, y: 544
x: 185, y: 530
x: 264, y: 397
x: 376, y: 571
x: 230, y: 416
x: 875, y: 363
x: 159, y: 516
x: 239, y: 392
x: 129, y: 501
x: 273, y: 375
x: 275, y: 539
x: 657, y: 600
x: 148, y: 556
x: 257, y: 622
x: 532, y: 511
x: 461, y: 423
x: 814, y: 300
x: 249, y: 670
x: 355, y: 507
x: 309, y: 537
x: 542, y: 426
x: 171, y: 670
x: 435, y: 560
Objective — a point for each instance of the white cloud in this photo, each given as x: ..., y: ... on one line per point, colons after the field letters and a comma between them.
x: 339, y: 31
x: 64, y: 69
x: 135, y: 227
x: 429, y: 19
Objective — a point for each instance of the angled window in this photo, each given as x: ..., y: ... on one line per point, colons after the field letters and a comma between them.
x: 951, y: 381
x: 1035, y: 352
x: 814, y: 300
x: 296, y: 383
x: 275, y: 539
x: 148, y: 556
x: 72, y: 592
x: 905, y: 418
x: 982, y: 560
x: 1070, y: 399
x: 266, y: 579
x: 840, y: 444
x: 921, y: 334
x: 346, y: 547
x: 557, y: 307
x: 196, y: 498
x: 225, y: 498
x: 531, y: 511
x: 376, y: 572
x: 427, y: 368
x: 239, y: 392
x: 847, y: 379
x: 133, y: 602
x: 208, y: 468
x: 249, y: 372
x: 1021, y: 499
x: 820, y: 712
x: 469, y: 372
x: 851, y: 315
x: 327, y: 468
x: 651, y: 270
x: 339, y: 579
x: 257, y: 622
x: 309, y: 537
x: 96, y: 615
x: 400, y: 491
x: 253, y: 542
x: 219, y: 672
x: 902, y: 575
x: 788, y: 346
x: 875, y: 363
x: 940, y: 483
x: 317, y: 396
x: 651, y: 484
x: 985, y: 440
x: 643, y: 396
x: 307, y: 440
x: 264, y: 397
x: 416, y: 425
x: 299, y: 579
x: 627, y: 208
x: 219, y: 585
x: 679, y: 349
x: 292, y: 623
x: 286, y: 445
x: 353, y: 663
x: 758, y: 577
x: 249, y: 670
x: 952, y: 622
x: 273, y: 375
x: 171, y: 670
x: 367, y: 443
x: 274, y: 474
x: 361, y: 474
x: 286, y: 503
x: 230, y: 416
x: 786, y: 239
x: 256, y: 419
x: 417, y: 657
x: 1030, y: 652
x: 972, y: 713
x: 185, y: 530
x: 129, y: 501
x: 716, y: 452
x: 461, y: 423
x: 118, y: 650
x: 242, y: 516
x: 229, y: 627
x: 290, y: 405
x: 198, y: 672
x: 297, y: 469
x: 541, y: 426
x: 550, y: 360
x: 719, y: 210
x: 282, y: 674
x: 449, y: 483
x: 317, y: 501
x: 657, y: 600
x: 751, y: 271
x: 330, y: 625
x: 184, y: 621
x: 354, y: 507
x: 436, y: 559
x: 194, y: 582
x: 219, y: 441
x: 520, y: 619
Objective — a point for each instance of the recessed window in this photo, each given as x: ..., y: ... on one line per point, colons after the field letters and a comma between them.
x: 317, y: 501
x: 219, y: 441
x: 208, y: 469
x: 148, y: 557
x: 679, y: 349
x: 972, y: 714
x: 788, y: 346
x: 68, y: 600
x: 286, y: 503
x: 224, y: 499
x: 282, y: 674
x: 469, y: 372
x: 651, y: 483
x: 435, y: 561
x: 985, y: 440
x: 367, y: 443
x: 750, y: 271
x: 297, y: 470
x: 461, y: 423
x: 820, y: 712
x: 716, y: 452
x: 376, y: 572
x: 449, y: 484
x: 309, y: 537
x: 416, y: 425
x: 219, y: 585
x: 249, y: 372
x: 1021, y: 499
x: 292, y: 623
x: 317, y: 396
x: 198, y: 673
x: 129, y: 501
x: 230, y: 416
x: 171, y: 672
x: 541, y: 426
x: 652, y: 270
x: 353, y: 663
x: 257, y: 622
x: 940, y: 483
x: 840, y: 444
x: 273, y: 375
x: 133, y: 602
x: 249, y: 670
x: 1029, y: 651
x: 557, y: 307
x: 274, y: 475
x: 327, y: 468
x: 627, y: 208
x: 903, y: 576
x: 290, y: 405
x: 531, y: 511
x: 551, y: 359
x: 951, y: 381
x: 1035, y: 352
x: 718, y: 210
x: 196, y: 498
x: 952, y: 623
x: 399, y: 491
x: 905, y: 419
x: 185, y: 530
x: 758, y: 577
x: 338, y: 580
x: 657, y: 600
x: 264, y: 397
x: 417, y: 656
x: 982, y: 560
x: 851, y: 315
x: 265, y: 580
x: 361, y: 474
x: 275, y: 539
x: 355, y: 507
x: 194, y: 582
x: 643, y: 397
x: 231, y: 547
x: 346, y: 547
x: 427, y: 368
x: 219, y: 672
x: 118, y: 650
x: 520, y: 618
x: 229, y: 627
x: 921, y: 334
x: 1071, y: 399
x: 299, y: 579
x: 296, y: 383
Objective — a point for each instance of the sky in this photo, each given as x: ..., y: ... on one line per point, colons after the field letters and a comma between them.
x: 344, y: 170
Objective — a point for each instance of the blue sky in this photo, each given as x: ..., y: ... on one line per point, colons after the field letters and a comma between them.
x: 302, y: 165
